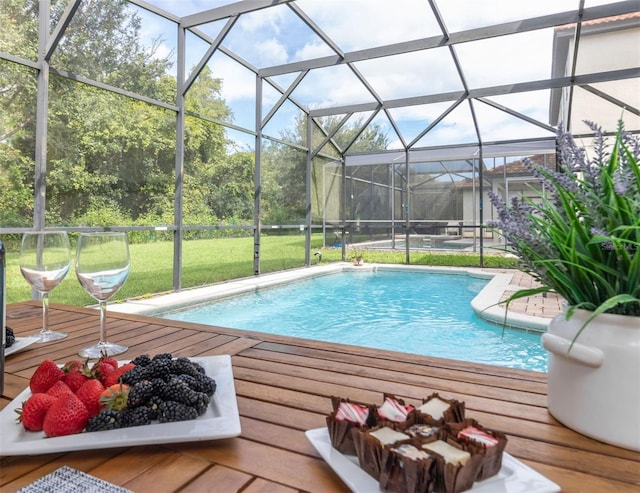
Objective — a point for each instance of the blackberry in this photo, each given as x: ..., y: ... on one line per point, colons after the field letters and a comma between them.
x: 205, y: 384
x: 201, y: 404
x: 170, y: 411
x: 177, y: 390
x: 153, y: 405
x: 189, y: 380
x: 159, y: 385
x: 199, y: 368
x: 200, y: 383
x: 140, y: 394
x: 164, y: 356
x: 158, y: 368
x: 133, y: 376
x: 105, y: 420
x: 137, y: 416
x: 142, y: 360
x: 11, y: 337
x: 183, y: 366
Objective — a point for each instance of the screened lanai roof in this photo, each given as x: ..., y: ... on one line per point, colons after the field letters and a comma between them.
x: 428, y: 72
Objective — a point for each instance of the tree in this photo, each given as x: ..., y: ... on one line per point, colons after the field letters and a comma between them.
x: 110, y: 157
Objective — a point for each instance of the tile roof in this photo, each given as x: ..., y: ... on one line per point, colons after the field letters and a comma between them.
x: 514, y: 168
x: 603, y: 20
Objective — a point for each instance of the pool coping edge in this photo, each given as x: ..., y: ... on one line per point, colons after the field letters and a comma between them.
x: 485, y: 304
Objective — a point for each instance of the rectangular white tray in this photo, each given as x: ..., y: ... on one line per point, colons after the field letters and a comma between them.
x: 20, y: 344
x: 220, y: 421
x: 514, y: 477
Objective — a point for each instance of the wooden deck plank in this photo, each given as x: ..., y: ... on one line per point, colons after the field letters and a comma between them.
x: 232, y: 347
x: 262, y: 486
x: 489, y: 372
x: 428, y: 366
x: 213, y: 341
x: 298, y: 419
x: 371, y: 390
x: 170, y: 474
x: 405, y: 376
x: 219, y: 478
x: 132, y: 463
x: 574, y: 481
x: 272, y: 434
x: 271, y: 463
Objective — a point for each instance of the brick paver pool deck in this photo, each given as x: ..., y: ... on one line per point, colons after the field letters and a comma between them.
x: 537, y: 306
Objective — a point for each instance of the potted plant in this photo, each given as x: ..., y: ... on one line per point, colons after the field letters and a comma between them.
x: 357, y: 255
x: 581, y: 239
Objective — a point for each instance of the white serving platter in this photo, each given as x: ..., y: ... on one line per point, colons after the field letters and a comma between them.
x: 20, y: 344
x: 220, y: 421
x: 514, y: 476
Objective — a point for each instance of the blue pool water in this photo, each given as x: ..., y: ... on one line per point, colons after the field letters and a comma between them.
x: 412, y: 312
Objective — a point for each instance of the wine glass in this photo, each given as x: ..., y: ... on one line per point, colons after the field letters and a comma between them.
x: 102, y: 267
x: 44, y: 262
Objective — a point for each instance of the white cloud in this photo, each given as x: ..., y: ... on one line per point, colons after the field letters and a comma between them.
x: 332, y: 86
x: 460, y: 15
x: 238, y: 82
x: 313, y: 50
x: 357, y: 24
x: 272, y: 52
x: 270, y: 18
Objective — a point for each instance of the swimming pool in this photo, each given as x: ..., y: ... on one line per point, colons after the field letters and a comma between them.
x: 413, y: 312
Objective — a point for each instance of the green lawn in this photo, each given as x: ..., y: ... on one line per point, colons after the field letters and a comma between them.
x: 213, y: 260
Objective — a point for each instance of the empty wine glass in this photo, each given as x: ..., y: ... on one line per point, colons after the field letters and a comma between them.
x: 102, y: 267
x: 44, y: 262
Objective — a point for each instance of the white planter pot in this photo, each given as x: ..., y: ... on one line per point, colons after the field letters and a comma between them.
x: 594, y: 388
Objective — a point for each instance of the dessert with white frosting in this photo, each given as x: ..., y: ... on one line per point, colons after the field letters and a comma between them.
x: 434, y: 407
x: 407, y: 469
x: 345, y: 417
x: 490, y: 443
x: 394, y: 410
x: 450, y: 454
x: 354, y: 413
x: 387, y: 436
x: 476, y: 435
x: 438, y: 410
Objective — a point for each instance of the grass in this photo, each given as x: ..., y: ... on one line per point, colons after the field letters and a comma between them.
x: 214, y: 260
x: 457, y: 259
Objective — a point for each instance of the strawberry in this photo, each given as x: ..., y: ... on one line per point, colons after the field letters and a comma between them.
x: 73, y: 364
x: 111, y: 360
x: 34, y: 410
x: 102, y: 369
x: 89, y: 394
x: 114, y: 377
x: 58, y: 389
x: 76, y: 372
x: 104, y: 366
x: 65, y: 417
x: 75, y: 378
x: 115, y: 397
x: 45, y: 376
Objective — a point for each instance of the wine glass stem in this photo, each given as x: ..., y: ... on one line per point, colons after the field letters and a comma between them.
x: 103, y: 322
x: 45, y: 312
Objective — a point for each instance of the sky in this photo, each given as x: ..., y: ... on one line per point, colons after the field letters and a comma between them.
x: 276, y: 36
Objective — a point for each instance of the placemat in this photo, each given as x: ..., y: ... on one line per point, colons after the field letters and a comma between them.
x: 70, y: 480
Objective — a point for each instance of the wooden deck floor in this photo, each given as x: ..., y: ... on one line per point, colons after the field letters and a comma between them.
x: 283, y: 388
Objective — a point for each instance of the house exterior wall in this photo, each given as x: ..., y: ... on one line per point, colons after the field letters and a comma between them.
x: 600, y: 51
